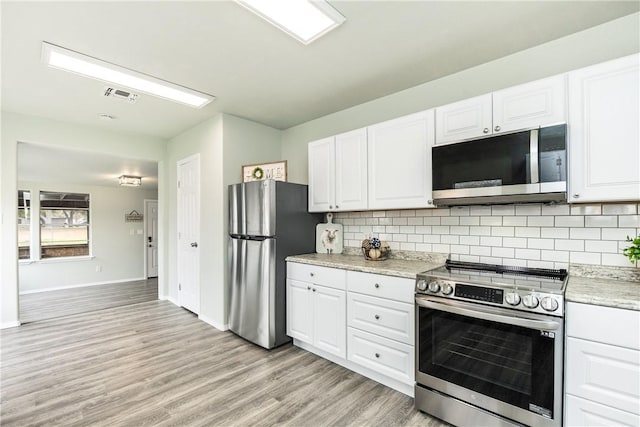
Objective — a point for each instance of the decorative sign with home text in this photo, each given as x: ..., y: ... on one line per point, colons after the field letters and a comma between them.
x: 259, y: 172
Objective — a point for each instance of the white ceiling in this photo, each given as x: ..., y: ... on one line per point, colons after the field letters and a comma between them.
x: 39, y: 163
x: 254, y: 69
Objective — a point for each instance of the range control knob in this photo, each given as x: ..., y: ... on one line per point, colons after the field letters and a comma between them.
x: 434, y: 287
x: 512, y: 298
x: 447, y: 289
x: 549, y: 304
x: 530, y: 301
x: 421, y: 285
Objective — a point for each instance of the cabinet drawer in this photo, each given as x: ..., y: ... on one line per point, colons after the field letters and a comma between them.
x: 604, y: 373
x: 390, y: 319
x: 377, y: 285
x: 580, y: 412
x: 607, y: 325
x: 390, y: 358
x: 325, y: 276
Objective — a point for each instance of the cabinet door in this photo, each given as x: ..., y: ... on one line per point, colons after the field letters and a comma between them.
x: 535, y: 104
x: 582, y: 412
x: 470, y: 118
x: 299, y: 311
x: 603, y: 132
x: 321, y: 175
x: 400, y: 162
x: 330, y: 320
x: 351, y: 171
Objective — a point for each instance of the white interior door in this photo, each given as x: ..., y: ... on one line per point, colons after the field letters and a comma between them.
x: 189, y: 233
x: 151, y: 221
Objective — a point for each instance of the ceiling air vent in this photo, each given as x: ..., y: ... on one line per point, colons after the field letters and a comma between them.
x: 121, y: 94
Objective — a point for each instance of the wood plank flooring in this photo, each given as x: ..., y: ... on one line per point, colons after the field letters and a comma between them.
x: 64, y: 302
x: 156, y: 364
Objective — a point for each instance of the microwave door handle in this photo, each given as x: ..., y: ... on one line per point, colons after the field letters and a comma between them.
x: 543, y: 325
x: 533, y: 156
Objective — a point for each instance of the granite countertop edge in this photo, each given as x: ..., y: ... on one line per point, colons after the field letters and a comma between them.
x: 604, y: 292
x: 405, y: 268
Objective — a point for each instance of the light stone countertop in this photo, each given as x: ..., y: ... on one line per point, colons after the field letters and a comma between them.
x: 604, y: 292
x: 389, y: 267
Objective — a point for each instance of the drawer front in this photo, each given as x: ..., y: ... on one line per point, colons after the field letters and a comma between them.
x: 390, y: 319
x: 325, y: 276
x: 377, y: 285
x: 382, y: 355
x: 604, y: 324
x: 603, y: 373
x: 580, y: 412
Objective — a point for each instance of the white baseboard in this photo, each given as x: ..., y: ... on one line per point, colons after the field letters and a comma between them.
x: 82, y: 285
x: 209, y: 321
x: 170, y: 299
x: 7, y: 325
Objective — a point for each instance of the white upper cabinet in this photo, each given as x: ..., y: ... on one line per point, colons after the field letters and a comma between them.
x: 604, y: 141
x: 465, y: 119
x: 400, y: 162
x: 539, y: 103
x: 530, y: 105
x: 338, y: 172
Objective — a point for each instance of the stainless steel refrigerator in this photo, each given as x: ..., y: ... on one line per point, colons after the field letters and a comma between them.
x: 268, y: 221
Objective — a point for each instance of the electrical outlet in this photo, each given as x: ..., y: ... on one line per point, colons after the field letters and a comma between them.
x: 98, y: 268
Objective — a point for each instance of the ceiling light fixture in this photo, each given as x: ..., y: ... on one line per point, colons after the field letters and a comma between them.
x: 304, y: 20
x: 68, y: 60
x: 130, y: 180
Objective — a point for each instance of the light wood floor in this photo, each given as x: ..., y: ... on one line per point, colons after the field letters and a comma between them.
x: 50, y: 304
x: 156, y: 364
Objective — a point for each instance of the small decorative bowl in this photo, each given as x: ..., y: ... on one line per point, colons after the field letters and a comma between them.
x: 370, y: 254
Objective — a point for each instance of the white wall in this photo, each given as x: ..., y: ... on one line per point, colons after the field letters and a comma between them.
x: 598, y: 44
x: 225, y: 143
x: 118, y: 253
x: 21, y: 128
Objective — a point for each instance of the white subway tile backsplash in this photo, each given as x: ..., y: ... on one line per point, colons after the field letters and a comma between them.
x: 620, y: 209
x: 609, y: 246
x: 514, y: 242
x: 569, y: 221
x: 520, y: 221
x: 535, y: 235
x: 585, y: 233
x: 540, y: 221
x: 555, y: 210
x: 605, y: 221
x: 569, y: 245
x: 629, y: 221
x: 540, y: 243
x: 470, y: 220
x: 617, y: 233
x: 528, y: 209
x: 491, y: 220
x: 554, y: 233
x: 503, y: 231
x: 527, y: 231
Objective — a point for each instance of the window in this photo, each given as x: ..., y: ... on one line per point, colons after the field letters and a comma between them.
x: 64, y: 224
x: 24, y: 224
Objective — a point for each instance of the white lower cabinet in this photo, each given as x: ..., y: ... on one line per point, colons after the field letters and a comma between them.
x: 362, y: 321
x: 602, y: 375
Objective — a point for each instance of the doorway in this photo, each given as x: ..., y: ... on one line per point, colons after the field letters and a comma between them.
x: 189, y: 233
x: 151, y: 238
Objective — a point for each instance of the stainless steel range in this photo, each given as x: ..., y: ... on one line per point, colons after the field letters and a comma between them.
x: 489, y: 344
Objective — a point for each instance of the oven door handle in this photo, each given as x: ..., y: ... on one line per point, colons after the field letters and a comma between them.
x: 478, y: 313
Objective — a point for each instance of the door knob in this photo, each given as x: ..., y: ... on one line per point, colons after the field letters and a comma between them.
x: 497, y: 128
x: 194, y: 244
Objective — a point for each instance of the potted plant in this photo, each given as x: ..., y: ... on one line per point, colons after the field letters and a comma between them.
x: 633, y: 251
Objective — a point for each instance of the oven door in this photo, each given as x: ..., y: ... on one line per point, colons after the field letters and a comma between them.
x: 500, y: 360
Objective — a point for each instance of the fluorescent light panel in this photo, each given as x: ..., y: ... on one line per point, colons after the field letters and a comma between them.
x: 68, y: 60
x: 130, y: 180
x: 305, y: 20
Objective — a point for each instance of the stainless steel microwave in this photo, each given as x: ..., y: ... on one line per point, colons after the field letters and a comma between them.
x: 527, y: 166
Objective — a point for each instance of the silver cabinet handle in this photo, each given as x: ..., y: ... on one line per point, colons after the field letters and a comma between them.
x: 194, y: 244
x: 486, y: 314
x: 485, y: 130
x: 377, y: 317
x: 337, y: 206
x: 576, y: 196
x: 378, y: 355
x: 497, y: 128
x: 314, y: 289
x: 376, y: 286
x: 308, y: 287
x: 330, y: 207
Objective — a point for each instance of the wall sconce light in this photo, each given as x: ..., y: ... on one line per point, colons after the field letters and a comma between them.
x: 130, y: 180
